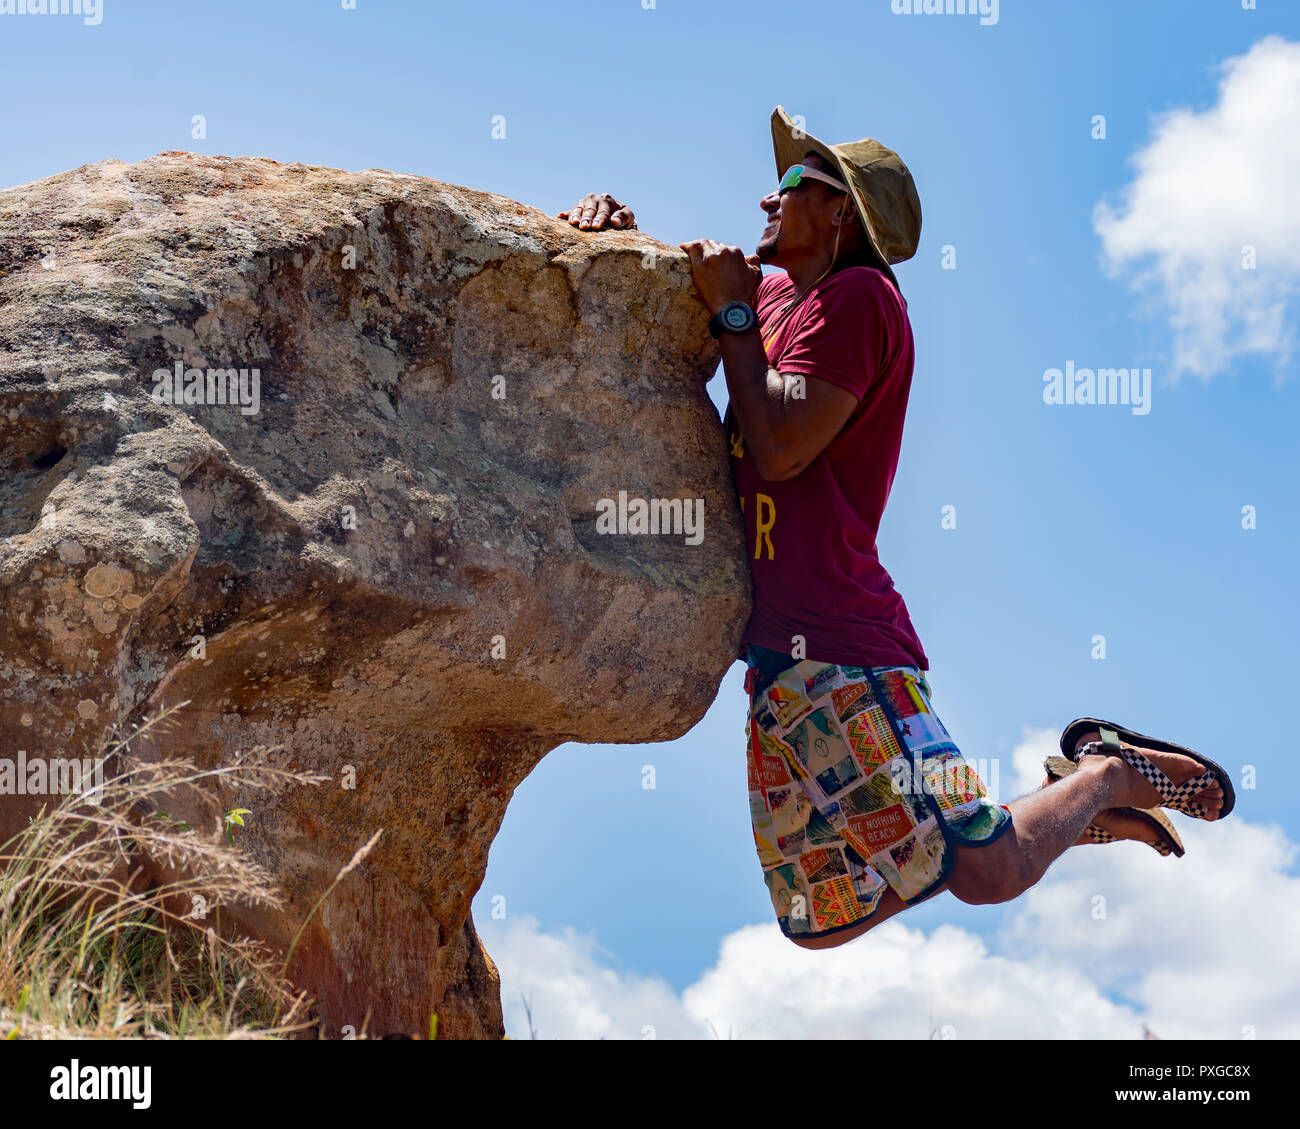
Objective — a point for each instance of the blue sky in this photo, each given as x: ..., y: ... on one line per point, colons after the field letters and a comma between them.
x: 1072, y: 520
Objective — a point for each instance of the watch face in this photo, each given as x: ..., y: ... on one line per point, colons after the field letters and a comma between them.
x: 737, y: 317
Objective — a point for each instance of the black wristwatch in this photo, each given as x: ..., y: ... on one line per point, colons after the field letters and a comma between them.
x: 734, y: 317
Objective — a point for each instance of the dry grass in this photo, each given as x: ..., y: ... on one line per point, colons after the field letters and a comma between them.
x: 87, y: 951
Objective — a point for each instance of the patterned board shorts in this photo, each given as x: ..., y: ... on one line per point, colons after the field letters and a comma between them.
x: 854, y: 784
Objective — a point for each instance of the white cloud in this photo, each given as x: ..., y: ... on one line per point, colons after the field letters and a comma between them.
x: 571, y: 993
x: 897, y: 983
x: 1198, y: 947
x: 1202, y: 946
x: 1027, y: 771
x: 1207, y: 185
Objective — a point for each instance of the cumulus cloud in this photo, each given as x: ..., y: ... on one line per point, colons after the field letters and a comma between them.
x: 1113, y: 938
x: 1202, y: 947
x: 1212, y: 189
x: 898, y: 983
x: 1027, y: 772
x: 573, y: 993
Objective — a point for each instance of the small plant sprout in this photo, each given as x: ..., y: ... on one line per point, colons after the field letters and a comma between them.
x: 235, y: 817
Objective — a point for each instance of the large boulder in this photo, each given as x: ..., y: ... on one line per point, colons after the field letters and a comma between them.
x: 396, y: 572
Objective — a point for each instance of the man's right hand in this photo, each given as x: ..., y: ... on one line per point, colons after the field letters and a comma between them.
x: 596, y: 210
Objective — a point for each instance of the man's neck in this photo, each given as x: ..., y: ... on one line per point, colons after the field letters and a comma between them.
x: 806, y: 271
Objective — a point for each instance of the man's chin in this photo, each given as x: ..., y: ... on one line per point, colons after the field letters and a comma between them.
x: 766, y: 250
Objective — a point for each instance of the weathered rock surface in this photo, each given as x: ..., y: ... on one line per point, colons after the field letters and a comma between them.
x: 393, y: 564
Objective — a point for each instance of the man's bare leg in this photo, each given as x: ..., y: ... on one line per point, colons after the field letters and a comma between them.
x: 1044, y: 825
x: 1122, y: 827
x: 1047, y: 822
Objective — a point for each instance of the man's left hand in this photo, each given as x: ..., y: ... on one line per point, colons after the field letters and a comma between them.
x: 722, y: 274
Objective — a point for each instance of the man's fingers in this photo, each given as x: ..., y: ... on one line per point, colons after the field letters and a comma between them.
x: 699, y: 248
x: 597, y: 210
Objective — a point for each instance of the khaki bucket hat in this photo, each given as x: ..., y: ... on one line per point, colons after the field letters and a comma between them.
x: 882, y: 186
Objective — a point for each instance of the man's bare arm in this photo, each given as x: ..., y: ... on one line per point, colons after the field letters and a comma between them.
x: 785, y: 421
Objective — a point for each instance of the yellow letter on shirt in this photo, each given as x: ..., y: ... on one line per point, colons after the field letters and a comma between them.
x: 763, y: 528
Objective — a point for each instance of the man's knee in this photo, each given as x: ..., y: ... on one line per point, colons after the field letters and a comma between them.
x: 982, y: 878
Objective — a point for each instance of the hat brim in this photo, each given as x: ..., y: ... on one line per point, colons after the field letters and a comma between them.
x: 790, y: 145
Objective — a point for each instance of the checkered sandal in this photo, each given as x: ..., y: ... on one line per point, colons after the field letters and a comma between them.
x: 1176, y: 797
x: 1168, y: 843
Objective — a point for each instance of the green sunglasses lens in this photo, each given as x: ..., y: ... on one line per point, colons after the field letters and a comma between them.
x: 793, y: 177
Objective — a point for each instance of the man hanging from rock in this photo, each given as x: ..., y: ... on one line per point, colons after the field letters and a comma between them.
x: 861, y: 802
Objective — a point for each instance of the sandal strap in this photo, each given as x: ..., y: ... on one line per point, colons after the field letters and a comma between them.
x: 1176, y: 797
x: 1091, y: 749
x: 1155, y: 776
x: 1101, y: 835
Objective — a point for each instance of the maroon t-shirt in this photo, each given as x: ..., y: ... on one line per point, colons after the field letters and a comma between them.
x: 812, y: 538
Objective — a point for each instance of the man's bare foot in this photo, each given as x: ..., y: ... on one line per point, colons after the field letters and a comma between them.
x: 1133, y: 790
x: 1117, y: 823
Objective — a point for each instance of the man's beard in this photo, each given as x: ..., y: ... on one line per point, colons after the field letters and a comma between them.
x: 766, y: 249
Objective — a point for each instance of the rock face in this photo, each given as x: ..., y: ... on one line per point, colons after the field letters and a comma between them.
x: 393, y: 571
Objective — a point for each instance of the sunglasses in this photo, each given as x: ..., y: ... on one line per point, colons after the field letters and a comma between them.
x: 796, y: 174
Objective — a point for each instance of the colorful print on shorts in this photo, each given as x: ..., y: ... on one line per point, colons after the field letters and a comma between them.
x: 841, y: 809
